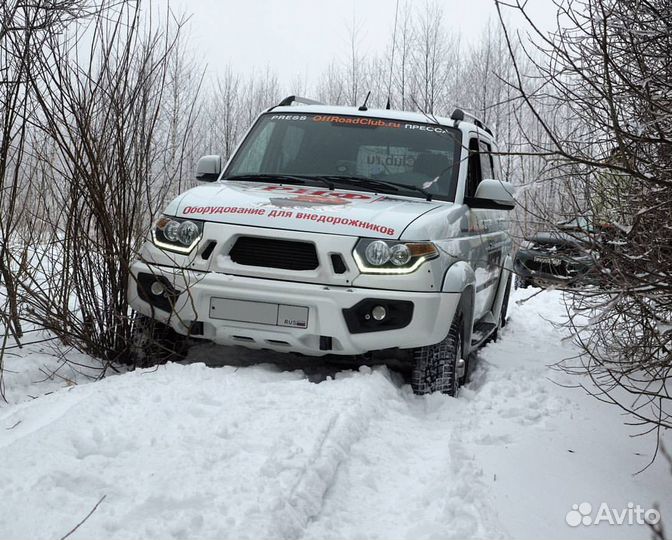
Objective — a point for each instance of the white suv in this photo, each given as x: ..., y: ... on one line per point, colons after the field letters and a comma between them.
x: 336, y: 230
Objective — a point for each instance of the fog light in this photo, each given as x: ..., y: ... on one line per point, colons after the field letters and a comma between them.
x: 379, y: 313
x: 157, y: 288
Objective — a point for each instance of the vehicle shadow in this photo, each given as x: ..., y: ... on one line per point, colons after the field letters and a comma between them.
x: 316, y: 369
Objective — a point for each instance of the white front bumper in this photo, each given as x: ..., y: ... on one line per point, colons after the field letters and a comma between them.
x: 432, y: 312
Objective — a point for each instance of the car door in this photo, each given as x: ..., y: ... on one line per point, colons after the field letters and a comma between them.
x: 486, y: 228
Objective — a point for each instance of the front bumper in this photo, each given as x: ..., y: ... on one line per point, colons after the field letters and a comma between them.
x: 326, y: 331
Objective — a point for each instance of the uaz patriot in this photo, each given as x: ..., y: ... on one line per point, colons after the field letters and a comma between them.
x: 336, y: 230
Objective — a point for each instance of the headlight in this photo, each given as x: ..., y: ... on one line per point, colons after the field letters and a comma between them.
x: 177, y: 234
x: 377, y: 253
x: 169, y: 229
x: 391, y: 257
x: 400, y: 255
x: 188, y: 232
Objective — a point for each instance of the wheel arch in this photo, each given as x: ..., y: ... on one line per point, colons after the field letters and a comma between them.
x: 461, y: 278
x: 466, y: 308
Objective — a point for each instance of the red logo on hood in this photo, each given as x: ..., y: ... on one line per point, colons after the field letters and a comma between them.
x: 326, y: 193
x: 309, y: 200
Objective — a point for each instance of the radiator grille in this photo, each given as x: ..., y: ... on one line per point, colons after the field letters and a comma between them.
x: 272, y: 253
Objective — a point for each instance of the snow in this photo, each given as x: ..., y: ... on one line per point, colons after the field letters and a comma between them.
x: 40, y: 367
x: 219, y: 448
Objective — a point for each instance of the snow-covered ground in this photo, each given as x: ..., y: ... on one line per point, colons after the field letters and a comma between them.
x: 196, y: 451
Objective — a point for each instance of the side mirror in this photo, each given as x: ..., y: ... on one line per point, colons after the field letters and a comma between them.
x: 208, y: 168
x: 492, y: 195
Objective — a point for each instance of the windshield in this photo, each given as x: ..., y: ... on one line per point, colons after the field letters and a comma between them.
x: 390, y: 153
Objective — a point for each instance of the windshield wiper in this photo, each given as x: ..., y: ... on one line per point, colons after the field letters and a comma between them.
x: 283, y: 178
x: 266, y: 177
x: 365, y: 181
x: 329, y: 179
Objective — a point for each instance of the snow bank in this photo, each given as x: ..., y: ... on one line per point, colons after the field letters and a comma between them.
x: 39, y: 367
x: 190, y: 451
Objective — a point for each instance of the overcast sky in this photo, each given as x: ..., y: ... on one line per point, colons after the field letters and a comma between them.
x: 300, y: 37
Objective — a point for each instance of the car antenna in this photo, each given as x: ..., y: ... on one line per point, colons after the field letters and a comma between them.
x: 394, y: 42
x: 363, y: 107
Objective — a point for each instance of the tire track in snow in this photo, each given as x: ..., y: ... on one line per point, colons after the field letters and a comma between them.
x: 419, y: 472
x: 304, y: 498
x: 409, y: 477
x: 185, y: 451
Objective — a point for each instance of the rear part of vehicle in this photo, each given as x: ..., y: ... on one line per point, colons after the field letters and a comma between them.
x: 552, y: 260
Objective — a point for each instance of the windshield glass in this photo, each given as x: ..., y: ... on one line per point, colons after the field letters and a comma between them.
x: 353, y: 148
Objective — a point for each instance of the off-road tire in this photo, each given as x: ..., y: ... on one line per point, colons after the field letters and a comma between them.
x: 154, y: 343
x: 435, y: 366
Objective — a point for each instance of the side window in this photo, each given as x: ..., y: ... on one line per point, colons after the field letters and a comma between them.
x: 487, y: 168
x: 496, y: 165
x: 474, y: 170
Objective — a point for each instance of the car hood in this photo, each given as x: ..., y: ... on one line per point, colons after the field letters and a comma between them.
x: 301, y: 208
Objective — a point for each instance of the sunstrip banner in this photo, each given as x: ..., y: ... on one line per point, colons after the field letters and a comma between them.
x: 361, y: 121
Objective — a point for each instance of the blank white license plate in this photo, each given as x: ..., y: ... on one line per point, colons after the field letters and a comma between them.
x: 228, y: 309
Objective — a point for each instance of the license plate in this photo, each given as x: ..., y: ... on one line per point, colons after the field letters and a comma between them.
x: 548, y: 260
x: 271, y: 314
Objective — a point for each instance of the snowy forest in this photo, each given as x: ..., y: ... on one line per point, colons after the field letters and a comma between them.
x: 107, y: 113
x: 105, y: 110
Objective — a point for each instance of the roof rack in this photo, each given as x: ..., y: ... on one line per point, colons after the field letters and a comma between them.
x: 458, y: 115
x: 298, y: 99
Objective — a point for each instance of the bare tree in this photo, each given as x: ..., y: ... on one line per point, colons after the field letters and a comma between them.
x: 331, y: 87
x: 260, y: 91
x: 226, y: 123
x: 180, y: 113
x: 604, y: 103
x: 25, y: 26
x: 112, y: 167
x: 405, y: 39
x: 433, y: 54
x: 354, y: 66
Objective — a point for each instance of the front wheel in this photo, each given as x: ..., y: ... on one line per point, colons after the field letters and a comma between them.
x: 440, y: 367
x: 153, y: 343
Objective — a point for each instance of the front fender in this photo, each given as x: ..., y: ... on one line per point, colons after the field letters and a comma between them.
x: 460, y: 278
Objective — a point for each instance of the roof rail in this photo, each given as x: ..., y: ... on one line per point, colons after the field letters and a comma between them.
x: 458, y: 115
x: 298, y: 99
